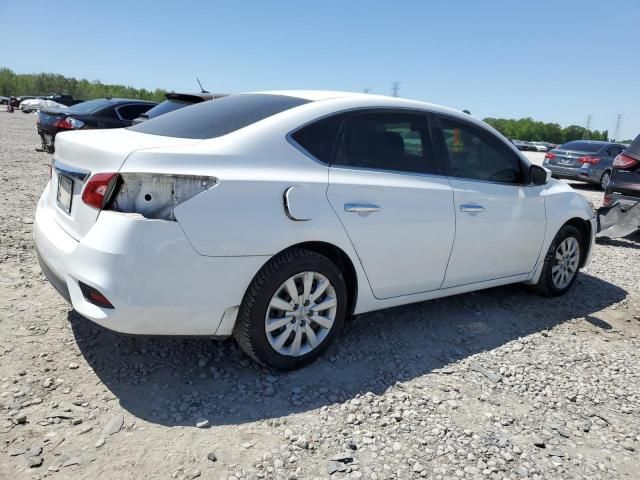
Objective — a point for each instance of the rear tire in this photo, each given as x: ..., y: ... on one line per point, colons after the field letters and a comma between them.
x: 293, y: 309
x: 561, y: 263
x: 605, y: 179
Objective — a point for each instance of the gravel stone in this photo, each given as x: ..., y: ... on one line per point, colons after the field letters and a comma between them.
x: 455, y: 388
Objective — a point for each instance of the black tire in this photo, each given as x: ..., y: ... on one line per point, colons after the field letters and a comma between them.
x: 605, y: 179
x: 250, y: 331
x: 546, y: 285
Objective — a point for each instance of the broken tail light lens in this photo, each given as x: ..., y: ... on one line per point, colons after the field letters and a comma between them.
x: 98, y: 189
x: 156, y: 195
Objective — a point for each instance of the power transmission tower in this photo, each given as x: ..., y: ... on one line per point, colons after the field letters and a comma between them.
x: 395, y: 88
x: 587, y: 126
x: 616, y: 135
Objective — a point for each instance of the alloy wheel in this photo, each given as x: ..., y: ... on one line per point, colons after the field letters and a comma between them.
x: 565, y: 262
x: 301, y: 314
x: 604, y: 181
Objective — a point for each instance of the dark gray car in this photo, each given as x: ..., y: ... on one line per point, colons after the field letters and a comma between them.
x: 585, y: 160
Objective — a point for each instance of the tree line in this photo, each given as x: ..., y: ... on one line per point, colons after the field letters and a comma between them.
x: 531, y: 130
x: 18, y: 84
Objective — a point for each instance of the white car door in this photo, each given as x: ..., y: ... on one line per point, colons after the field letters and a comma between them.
x: 397, y: 212
x: 500, y: 221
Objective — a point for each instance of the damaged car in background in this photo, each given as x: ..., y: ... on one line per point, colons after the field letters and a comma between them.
x: 620, y: 214
x: 272, y: 216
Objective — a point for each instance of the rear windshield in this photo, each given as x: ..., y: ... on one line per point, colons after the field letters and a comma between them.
x: 634, y: 148
x: 87, y: 108
x: 219, y: 117
x: 582, y: 146
x: 166, y: 107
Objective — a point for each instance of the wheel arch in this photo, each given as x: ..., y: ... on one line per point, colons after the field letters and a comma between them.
x: 584, y: 227
x: 342, y: 261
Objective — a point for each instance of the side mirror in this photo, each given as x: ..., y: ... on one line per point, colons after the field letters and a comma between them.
x: 539, y: 175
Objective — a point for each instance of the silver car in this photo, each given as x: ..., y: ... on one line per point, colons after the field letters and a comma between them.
x: 585, y: 160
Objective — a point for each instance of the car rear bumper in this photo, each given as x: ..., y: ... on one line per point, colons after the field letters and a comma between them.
x: 585, y: 174
x: 147, y: 269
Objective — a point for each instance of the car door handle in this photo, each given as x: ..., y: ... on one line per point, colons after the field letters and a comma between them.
x: 471, y: 208
x: 361, y: 207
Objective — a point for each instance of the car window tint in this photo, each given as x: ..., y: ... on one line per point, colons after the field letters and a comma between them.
x: 386, y: 141
x: 217, y: 118
x: 319, y: 138
x: 129, y: 112
x: 582, y: 146
x: 475, y: 154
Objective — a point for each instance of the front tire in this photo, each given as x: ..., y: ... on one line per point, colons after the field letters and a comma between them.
x: 562, y: 262
x: 293, y: 309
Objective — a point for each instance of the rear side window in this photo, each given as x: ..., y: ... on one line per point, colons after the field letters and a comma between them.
x: 129, y: 112
x: 319, y: 138
x: 578, y: 146
x: 217, y: 118
x: 386, y: 141
x: 478, y: 155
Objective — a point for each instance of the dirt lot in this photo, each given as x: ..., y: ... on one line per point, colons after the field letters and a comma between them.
x: 496, y: 384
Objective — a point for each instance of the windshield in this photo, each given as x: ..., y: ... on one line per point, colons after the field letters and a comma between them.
x: 590, y: 147
x: 89, y: 107
x: 219, y: 117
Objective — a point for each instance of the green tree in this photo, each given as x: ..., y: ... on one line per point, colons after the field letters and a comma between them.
x: 12, y: 84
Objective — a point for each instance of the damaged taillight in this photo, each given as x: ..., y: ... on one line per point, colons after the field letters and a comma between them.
x: 155, y: 195
x: 98, y: 189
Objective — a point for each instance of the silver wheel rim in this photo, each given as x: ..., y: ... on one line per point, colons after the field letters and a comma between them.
x: 565, y: 262
x: 301, y: 314
x: 604, y: 183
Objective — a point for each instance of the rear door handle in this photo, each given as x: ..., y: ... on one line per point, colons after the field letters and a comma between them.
x: 471, y: 208
x: 361, y: 207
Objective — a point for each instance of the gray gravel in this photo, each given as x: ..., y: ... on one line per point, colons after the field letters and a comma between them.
x: 499, y: 384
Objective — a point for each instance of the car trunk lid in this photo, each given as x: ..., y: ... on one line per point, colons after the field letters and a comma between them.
x: 567, y: 158
x: 81, y: 154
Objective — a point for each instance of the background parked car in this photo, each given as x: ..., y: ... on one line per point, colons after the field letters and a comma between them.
x: 4, y: 100
x: 519, y: 144
x: 37, y: 103
x: 585, y: 160
x: 541, y: 146
x: 100, y: 113
x: 175, y: 101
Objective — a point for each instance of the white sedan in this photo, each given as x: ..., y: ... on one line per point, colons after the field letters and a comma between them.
x: 272, y: 216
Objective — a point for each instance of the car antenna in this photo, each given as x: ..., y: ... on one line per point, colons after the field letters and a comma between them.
x: 202, y: 89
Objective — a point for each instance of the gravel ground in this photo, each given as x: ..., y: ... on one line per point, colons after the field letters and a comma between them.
x: 498, y: 384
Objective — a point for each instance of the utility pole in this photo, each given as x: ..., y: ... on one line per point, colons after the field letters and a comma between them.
x: 395, y: 88
x: 616, y: 135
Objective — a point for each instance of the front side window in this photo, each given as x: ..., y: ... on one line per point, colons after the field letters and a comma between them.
x: 386, y: 141
x: 474, y: 154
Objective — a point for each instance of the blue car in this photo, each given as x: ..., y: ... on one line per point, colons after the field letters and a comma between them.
x: 584, y: 160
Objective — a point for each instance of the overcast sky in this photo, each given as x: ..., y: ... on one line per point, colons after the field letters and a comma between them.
x: 552, y: 60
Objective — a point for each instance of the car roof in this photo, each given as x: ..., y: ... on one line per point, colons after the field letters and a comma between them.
x: 387, y: 101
